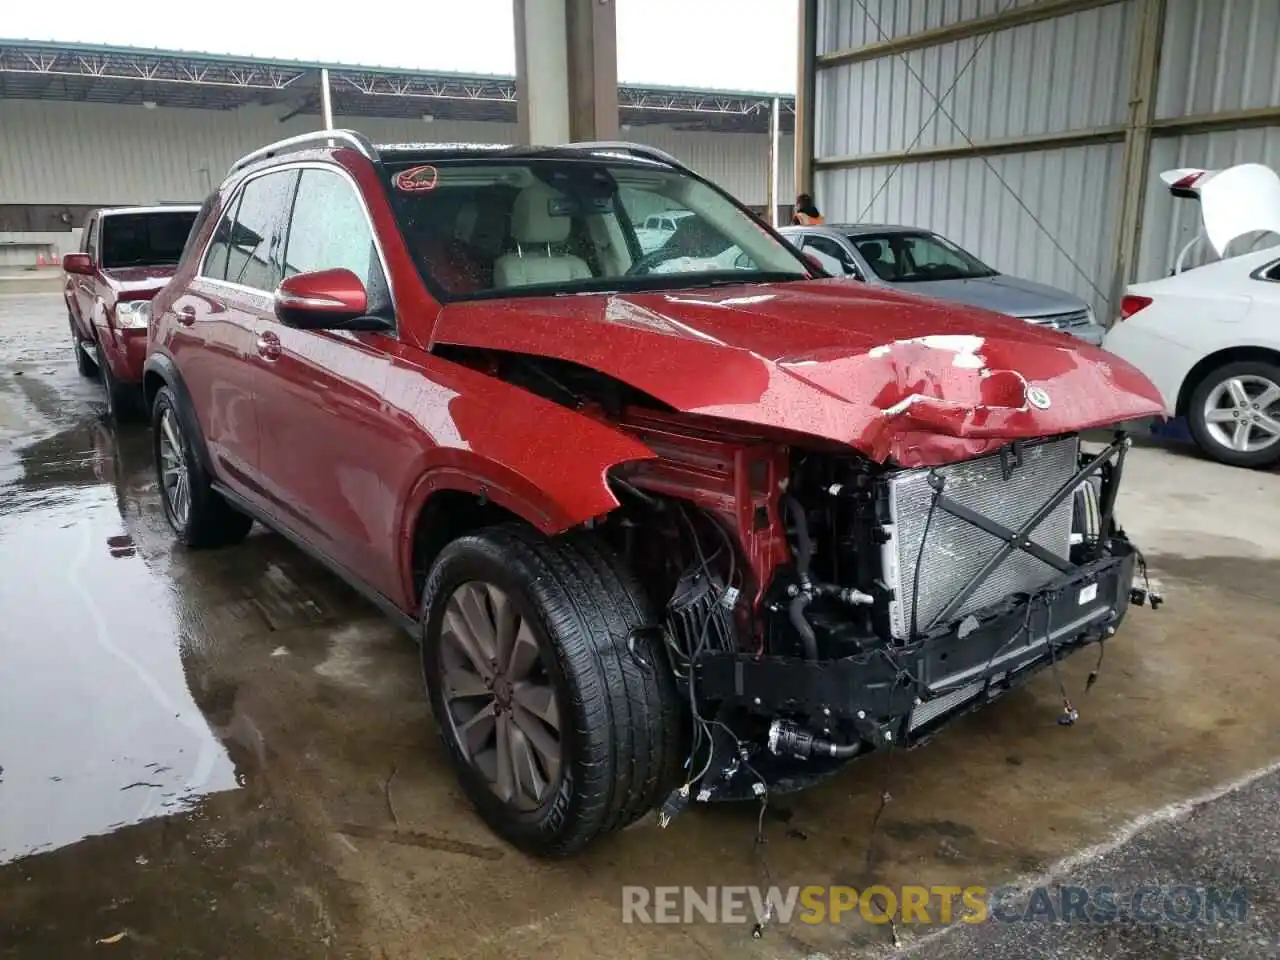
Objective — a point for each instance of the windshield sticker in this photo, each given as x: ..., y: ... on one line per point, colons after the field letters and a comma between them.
x: 416, y: 179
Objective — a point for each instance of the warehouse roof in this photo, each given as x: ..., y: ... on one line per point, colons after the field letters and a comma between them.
x: 37, y: 70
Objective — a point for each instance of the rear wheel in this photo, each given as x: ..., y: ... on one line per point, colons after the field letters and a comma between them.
x: 558, y: 711
x: 84, y: 364
x: 1234, y: 413
x: 198, y: 514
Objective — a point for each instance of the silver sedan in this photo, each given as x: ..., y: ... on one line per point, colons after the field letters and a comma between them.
x: 919, y: 261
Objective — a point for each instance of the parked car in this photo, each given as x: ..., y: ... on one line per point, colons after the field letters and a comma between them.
x: 920, y: 261
x: 1207, y: 337
x: 661, y: 535
x: 658, y: 228
x: 126, y: 254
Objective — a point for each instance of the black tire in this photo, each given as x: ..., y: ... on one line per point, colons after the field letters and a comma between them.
x: 1252, y: 372
x: 124, y: 402
x: 620, y: 716
x: 209, y: 520
x: 84, y: 365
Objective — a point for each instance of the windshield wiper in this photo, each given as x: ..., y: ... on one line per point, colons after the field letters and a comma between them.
x: 748, y: 280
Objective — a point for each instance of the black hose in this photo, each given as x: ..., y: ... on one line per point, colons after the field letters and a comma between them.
x: 826, y: 748
x: 795, y: 609
x: 804, y: 542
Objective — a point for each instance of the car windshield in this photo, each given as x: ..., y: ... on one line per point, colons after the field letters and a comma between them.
x: 145, y: 239
x: 902, y: 257
x: 493, y: 227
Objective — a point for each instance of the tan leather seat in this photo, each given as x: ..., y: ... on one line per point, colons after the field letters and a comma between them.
x: 537, y: 234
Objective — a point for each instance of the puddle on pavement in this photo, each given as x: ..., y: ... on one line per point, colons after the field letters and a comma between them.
x: 98, y: 727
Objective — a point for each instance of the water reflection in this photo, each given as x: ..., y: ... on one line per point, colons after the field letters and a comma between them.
x: 98, y: 725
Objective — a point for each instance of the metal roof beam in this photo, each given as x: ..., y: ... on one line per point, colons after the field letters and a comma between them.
x: 989, y: 148
x: 1007, y: 20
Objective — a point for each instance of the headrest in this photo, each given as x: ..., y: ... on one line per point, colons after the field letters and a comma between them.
x: 531, y: 219
x: 464, y: 225
x: 872, y: 249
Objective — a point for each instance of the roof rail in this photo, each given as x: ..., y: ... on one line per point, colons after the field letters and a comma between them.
x: 632, y: 149
x: 350, y: 138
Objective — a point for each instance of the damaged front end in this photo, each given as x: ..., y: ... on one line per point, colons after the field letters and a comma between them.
x: 822, y: 606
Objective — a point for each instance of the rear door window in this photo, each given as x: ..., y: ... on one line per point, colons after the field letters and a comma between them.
x: 246, y: 245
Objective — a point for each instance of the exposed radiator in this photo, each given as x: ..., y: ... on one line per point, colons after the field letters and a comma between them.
x: 955, y: 549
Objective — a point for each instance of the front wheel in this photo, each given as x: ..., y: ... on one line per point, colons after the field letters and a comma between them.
x: 84, y: 364
x: 1234, y: 414
x: 123, y: 401
x: 557, y: 708
x: 197, y: 513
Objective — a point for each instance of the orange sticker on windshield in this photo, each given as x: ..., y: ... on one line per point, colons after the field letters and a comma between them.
x: 416, y: 179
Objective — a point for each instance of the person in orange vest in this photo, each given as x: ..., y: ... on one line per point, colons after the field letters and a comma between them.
x: 806, y: 213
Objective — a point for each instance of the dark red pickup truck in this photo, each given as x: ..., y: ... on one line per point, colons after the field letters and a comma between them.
x: 126, y: 256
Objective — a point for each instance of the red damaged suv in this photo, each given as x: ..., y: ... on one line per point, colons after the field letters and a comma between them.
x: 686, y: 524
x: 126, y: 254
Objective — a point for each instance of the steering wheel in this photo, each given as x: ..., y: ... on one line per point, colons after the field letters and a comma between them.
x: 647, y: 262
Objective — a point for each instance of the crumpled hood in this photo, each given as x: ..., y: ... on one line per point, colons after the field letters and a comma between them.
x: 897, y: 377
x: 1003, y: 294
x: 138, y: 283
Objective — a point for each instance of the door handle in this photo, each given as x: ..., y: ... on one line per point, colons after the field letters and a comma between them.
x: 269, y: 347
x: 186, y: 316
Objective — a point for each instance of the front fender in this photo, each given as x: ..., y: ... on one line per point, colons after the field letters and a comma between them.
x: 536, y: 459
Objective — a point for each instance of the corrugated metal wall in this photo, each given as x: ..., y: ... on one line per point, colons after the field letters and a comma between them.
x: 846, y: 25
x: 1047, y: 214
x: 78, y: 153
x: 964, y: 199
x: 1042, y: 214
x: 1218, y: 55
x: 1047, y: 77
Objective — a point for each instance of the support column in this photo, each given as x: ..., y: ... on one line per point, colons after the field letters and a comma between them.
x: 566, y: 70
x: 805, y: 92
x: 775, y: 161
x: 326, y: 100
x: 1137, y: 147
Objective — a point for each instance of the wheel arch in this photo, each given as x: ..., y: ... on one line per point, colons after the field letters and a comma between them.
x: 1220, y: 358
x: 462, y: 491
x: 160, y: 371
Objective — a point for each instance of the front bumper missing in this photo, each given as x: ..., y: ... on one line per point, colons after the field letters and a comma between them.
x: 905, y: 693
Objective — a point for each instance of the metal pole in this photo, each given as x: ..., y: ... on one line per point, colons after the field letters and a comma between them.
x: 805, y: 94
x: 1149, y: 26
x: 775, y: 139
x: 326, y: 103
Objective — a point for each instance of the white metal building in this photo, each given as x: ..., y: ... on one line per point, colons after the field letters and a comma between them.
x: 1030, y: 131
x: 82, y: 127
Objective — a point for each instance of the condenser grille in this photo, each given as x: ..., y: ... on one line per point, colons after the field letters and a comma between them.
x: 955, y: 549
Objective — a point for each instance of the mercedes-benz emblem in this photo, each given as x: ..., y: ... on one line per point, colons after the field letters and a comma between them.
x: 1038, y: 398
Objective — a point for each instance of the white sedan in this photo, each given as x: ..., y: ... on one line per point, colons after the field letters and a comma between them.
x: 1209, y: 337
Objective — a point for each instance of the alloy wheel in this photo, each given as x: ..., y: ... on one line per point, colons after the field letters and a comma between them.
x: 174, y: 475
x: 1243, y: 413
x: 501, y: 703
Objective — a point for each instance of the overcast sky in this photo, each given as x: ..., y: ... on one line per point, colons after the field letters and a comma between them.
x: 729, y: 44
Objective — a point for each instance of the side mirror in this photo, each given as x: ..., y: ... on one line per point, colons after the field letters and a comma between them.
x: 80, y: 263
x: 325, y: 300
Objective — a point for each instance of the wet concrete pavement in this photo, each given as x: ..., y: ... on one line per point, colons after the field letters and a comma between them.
x: 227, y: 753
